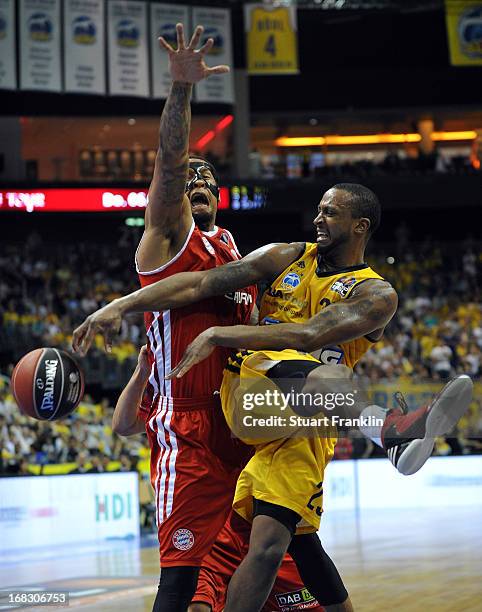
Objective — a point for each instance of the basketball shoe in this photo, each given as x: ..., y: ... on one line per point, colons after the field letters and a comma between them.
x: 409, y: 437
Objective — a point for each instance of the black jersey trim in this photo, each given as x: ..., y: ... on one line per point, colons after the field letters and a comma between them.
x: 321, y: 274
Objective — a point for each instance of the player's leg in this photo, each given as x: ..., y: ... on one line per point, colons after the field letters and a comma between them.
x: 227, y: 553
x: 319, y: 573
x: 209, y: 591
x: 289, y: 590
x: 272, y: 529
x: 194, y: 489
x: 409, y: 437
x: 176, y: 588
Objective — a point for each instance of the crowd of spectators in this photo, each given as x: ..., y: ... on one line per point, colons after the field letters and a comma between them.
x: 308, y: 165
x: 45, y: 293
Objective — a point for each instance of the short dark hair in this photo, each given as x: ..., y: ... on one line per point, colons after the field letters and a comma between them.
x: 363, y: 203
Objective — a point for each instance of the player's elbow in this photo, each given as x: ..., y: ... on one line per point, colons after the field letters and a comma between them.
x: 125, y: 430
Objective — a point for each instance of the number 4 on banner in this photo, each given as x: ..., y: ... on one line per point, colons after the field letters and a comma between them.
x: 272, y: 44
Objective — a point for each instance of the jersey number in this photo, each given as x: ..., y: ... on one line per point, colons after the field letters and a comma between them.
x: 310, y: 505
x: 270, y: 46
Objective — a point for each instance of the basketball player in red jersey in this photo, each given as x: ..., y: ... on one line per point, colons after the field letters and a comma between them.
x: 195, y: 461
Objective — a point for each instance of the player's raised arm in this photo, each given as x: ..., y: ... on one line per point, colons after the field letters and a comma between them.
x: 168, y: 214
x: 266, y: 263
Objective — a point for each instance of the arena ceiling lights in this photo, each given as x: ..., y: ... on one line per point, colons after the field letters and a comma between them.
x: 370, y: 139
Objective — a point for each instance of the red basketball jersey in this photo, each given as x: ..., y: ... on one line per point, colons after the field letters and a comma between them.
x: 170, y: 332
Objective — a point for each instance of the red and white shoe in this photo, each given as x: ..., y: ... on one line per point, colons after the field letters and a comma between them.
x: 409, y: 437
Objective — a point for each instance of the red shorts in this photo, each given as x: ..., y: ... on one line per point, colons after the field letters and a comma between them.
x: 231, y: 546
x: 195, y: 463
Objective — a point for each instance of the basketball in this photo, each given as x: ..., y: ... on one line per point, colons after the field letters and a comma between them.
x: 47, y: 384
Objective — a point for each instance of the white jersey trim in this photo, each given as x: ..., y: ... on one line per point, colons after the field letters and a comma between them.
x: 234, y: 244
x: 171, y: 261
x: 211, y: 233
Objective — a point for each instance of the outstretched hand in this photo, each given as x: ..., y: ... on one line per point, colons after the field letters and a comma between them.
x: 199, y: 349
x: 186, y: 63
x: 106, y: 321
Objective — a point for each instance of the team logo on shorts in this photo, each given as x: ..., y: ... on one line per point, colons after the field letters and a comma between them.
x: 290, y: 281
x: 183, y: 539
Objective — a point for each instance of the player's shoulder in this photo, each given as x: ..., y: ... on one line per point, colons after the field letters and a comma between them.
x: 379, y: 288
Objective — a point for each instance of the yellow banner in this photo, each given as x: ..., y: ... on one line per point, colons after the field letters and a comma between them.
x: 272, y: 44
x: 464, y: 31
x: 415, y: 394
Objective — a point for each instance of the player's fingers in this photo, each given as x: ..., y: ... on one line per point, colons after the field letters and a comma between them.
x: 207, y: 46
x: 172, y: 374
x: 163, y: 43
x: 87, y: 339
x: 78, y: 334
x: 180, y: 36
x: 175, y: 373
x: 222, y: 69
x: 196, y: 37
x: 184, y: 370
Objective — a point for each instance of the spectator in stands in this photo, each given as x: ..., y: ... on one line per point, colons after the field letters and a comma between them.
x: 82, y: 461
x: 441, y: 355
x: 96, y: 462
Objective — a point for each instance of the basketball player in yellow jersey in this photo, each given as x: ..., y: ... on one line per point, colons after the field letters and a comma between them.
x: 322, y: 299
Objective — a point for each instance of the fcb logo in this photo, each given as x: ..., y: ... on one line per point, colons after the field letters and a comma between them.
x: 183, y: 539
x: 470, y: 32
x: 40, y: 27
x: 127, y: 33
x: 84, y: 30
x: 224, y: 238
x: 290, y: 281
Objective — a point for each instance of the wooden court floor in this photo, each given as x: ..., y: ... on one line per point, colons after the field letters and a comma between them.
x: 393, y: 560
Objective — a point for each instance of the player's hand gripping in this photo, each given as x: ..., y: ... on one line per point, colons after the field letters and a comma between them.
x: 185, y: 63
x: 199, y: 349
x: 143, y: 364
x: 106, y: 321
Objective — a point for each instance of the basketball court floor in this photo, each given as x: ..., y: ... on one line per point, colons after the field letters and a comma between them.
x: 391, y: 560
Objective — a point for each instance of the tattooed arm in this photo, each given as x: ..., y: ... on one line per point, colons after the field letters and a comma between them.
x: 366, y: 312
x: 186, y: 288
x: 168, y: 215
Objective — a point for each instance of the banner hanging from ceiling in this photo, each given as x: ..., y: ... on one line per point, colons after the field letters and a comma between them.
x: 271, y: 35
x: 217, y: 25
x: 84, y: 46
x: 40, y: 38
x: 8, y: 54
x: 163, y: 23
x: 464, y: 31
x: 127, y: 50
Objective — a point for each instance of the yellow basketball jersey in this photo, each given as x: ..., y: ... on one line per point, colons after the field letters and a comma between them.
x: 271, y: 41
x: 301, y: 291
